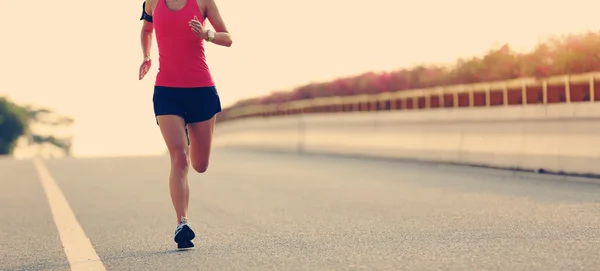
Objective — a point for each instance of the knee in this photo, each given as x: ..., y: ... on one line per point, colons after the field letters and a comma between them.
x: 200, y: 167
x: 179, y: 159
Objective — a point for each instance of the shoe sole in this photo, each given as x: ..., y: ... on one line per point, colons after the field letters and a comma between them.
x: 185, y: 245
x: 185, y: 235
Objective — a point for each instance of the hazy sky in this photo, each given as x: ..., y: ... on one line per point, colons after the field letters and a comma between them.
x: 81, y: 58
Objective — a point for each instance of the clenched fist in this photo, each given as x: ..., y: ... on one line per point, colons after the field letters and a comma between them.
x: 198, y: 29
x: 145, y: 67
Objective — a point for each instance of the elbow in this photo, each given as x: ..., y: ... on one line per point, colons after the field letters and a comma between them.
x: 147, y: 31
x: 224, y: 43
x: 228, y: 41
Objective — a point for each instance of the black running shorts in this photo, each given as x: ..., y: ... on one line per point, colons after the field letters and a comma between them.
x: 192, y: 104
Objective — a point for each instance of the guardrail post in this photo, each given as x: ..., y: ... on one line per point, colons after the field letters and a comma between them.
x: 592, y: 92
x: 567, y: 89
x: 545, y: 92
x: 455, y: 99
x: 505, y: 95
x: 524, y: 93
x: 471, y: 93
x: 488, y: 94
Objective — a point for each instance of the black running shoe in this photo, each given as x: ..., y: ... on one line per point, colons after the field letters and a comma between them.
x: 184, y: 235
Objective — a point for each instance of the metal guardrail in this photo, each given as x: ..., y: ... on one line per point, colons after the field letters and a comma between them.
x: 523, y: 91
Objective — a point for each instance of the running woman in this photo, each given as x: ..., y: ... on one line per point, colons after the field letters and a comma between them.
x: 185, y: 99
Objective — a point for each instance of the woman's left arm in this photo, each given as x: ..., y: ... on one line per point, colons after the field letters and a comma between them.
x: 221, y: 35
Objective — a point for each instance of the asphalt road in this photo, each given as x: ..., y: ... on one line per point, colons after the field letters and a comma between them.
x: 267, y: 211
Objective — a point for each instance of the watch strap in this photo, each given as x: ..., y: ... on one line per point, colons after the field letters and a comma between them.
x: 210, y: 34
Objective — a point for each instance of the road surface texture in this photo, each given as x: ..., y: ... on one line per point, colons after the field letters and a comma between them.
x: 269, y: 211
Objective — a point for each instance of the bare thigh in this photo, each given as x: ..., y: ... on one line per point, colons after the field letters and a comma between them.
x: 172, y: 128
x: 200, y: 143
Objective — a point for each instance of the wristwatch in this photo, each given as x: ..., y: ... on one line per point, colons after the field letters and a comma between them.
x: 210, y: 34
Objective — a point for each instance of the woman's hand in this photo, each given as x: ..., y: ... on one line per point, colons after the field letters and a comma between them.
x: 198, y: 28
x: 145, y: 67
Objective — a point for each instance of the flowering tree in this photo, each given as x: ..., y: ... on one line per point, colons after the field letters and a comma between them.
x: 559, y: 55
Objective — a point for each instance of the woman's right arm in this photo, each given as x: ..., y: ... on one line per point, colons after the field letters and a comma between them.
x: 147, y: 27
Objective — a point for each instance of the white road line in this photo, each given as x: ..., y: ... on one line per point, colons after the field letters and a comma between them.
x: 80, y: 252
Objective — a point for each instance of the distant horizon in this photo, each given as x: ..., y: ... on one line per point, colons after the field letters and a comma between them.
x: 89, y: 71
x: 408, y: 67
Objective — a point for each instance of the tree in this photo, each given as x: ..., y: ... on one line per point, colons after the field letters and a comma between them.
x: 569, y: 54
x: 17, y: 121
x: 13, y: 124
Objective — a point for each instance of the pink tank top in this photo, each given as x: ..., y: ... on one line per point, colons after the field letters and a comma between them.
x: 182, y: 62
